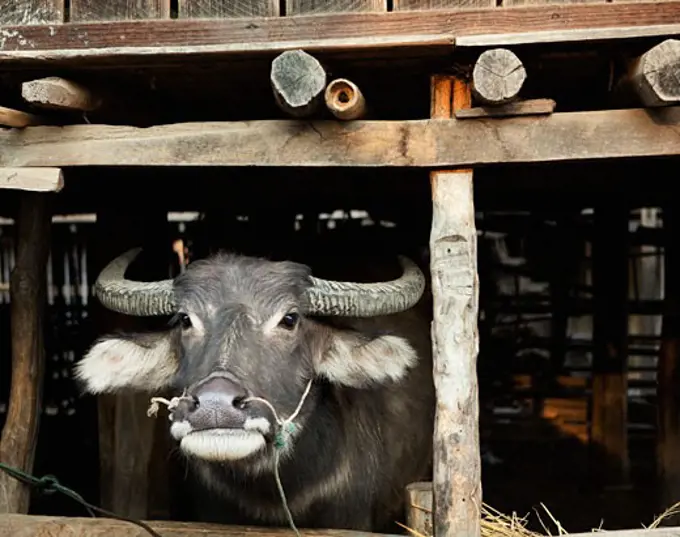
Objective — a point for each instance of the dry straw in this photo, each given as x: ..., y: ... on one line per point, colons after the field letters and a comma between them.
x: 497, y: 524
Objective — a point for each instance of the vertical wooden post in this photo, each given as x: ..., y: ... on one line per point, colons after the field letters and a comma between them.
x: 609, y: 435
x: 457, y: 487
x: 668, y: 370
x: 28, y: 293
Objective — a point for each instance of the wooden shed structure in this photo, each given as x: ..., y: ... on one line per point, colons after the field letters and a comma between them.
x: 128, y: 110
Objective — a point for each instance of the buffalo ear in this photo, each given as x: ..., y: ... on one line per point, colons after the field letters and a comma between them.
x: 357, y: 361
x: 142, y: 362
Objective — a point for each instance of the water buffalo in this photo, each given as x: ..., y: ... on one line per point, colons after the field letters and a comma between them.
x: 246, y: 327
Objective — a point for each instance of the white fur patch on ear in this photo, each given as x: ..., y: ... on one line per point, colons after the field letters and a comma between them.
x: 114, y: 364
x: 356, y: 363
x: 222, y: 444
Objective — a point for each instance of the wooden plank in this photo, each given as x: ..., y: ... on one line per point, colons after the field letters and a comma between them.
x: 456, y: 476
x: 217, y: 9
x: 309, y: 7
x: 28, y: 292
x: 32, y: 179
x: 514, y: 3
x: 118, y: 10
x: 26, y: 12
x: 668, y: 367
x: 564, y: 137
x: 609, y: 432
x: 409, y: 5
x: 530, y: 107
x: 419, y: 507
x: 429, y: 31
x: 55, y: 526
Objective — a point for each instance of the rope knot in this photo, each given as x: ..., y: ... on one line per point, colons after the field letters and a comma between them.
x: 286, y: 430
x: 48, y: 484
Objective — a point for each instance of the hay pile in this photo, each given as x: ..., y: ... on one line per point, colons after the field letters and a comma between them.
x: 496, y: 524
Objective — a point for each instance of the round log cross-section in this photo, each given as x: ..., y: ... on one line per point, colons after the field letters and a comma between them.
x: 498, y: 76
x: 345, y: 100
x: 298, y: 81
x: 654, y: 75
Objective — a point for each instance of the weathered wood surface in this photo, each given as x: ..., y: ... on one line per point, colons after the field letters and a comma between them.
x: 404, y: 5
x: 654, y: 75
x: 28, y: 293
x: 57, y: 93
x: 53, y: 526
x: 457, y: 486
x: 511, y: 3
x: 9, y: 117
x: 530, y: 107
x: 210, y: 9
x: 299, y: 7
x: 419, y: 507
x: 497, y: 77
x: 118, y: 10
x: 432, y: 31
x: 297, y: 80
x: 562, y: 137
x: 31, y: 12
x: 609, y: 422
x: 345, y: 100
x: 32, y: 179
x: 48, y: 526
x: 668, y: 367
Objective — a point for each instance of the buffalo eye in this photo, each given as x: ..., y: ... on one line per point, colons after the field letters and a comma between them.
x: 289, y: 320
x: 184, y: 321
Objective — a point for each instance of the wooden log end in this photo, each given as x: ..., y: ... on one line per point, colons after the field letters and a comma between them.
x: 298, y: 81
x: 345, y: 100
x: 32, y: 179
x: 16, y: 119
x: 56, y: 93
x: 654, y: 75
x: 498, y: 76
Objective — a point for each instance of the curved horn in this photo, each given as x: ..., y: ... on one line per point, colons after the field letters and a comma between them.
x: 329, y: 297
x: 130, y: 297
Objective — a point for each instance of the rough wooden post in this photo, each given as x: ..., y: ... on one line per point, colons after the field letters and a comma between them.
x: 453, y: 249
x: 419, y: 507
x: 609, y: 435
x: 654, y: 75
x: 668, y: 370
x: 498, y: 76
x: 28, y: 293
x: 298, y: 81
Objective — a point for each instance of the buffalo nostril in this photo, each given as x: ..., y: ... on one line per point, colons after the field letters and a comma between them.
x: 239, y: 402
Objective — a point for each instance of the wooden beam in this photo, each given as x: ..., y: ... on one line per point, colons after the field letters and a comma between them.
x: 55, y: 526
x: 497, y: 77
x: 653, y: 76
x: 128, y: 42
x: 9, y: 117
x: 57, y: 93
x: 668, y: 368
x: 32, y: 179
x: 609, y: 422
x: 297, y: 80
x: 457, y: 497
x: 563, y: 137
x: 530, y: 107
x: 345, y: 100
x: 28, y: 292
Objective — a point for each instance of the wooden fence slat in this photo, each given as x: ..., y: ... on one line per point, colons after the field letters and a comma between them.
x: 409, y: 5
x: 22, y: 12
x: 510, y: 3
x: 308, y: 7
x: 115, y: 10
x: 227, y: 9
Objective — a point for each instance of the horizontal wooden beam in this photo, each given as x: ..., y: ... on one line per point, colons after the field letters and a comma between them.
x: 158, y: 40
x: 563, y: 137
x: 53, y: 526
x: 32, y: 179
